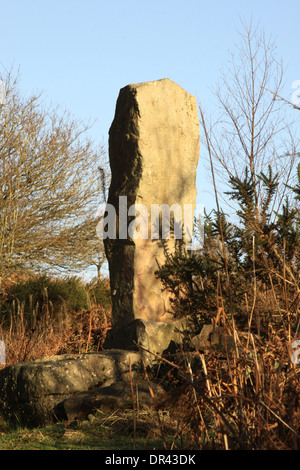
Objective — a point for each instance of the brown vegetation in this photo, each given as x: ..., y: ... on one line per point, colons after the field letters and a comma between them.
x: 248, y: 398
x: 50, y: 329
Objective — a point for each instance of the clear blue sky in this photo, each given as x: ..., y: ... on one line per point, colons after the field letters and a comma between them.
x: 81, y: 52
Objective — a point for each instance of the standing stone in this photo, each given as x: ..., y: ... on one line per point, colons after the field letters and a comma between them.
x: 153, y: 152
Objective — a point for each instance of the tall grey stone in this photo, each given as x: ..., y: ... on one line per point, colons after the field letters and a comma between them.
x: 153, y: 152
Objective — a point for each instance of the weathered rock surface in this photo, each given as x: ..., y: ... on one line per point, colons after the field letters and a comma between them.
x: 153, y: 151
x: 115, y: 396
x: 31, y: 391
x: 73, y: 386
x: 154, y: 337
x: 213, y: 338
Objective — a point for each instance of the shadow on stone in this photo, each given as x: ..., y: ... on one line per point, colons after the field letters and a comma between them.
x: 116, y: 396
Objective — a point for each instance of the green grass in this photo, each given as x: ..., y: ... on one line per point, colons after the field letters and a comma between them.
x: 112, y: 431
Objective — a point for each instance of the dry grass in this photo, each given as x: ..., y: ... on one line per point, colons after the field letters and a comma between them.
x: 70, y: 332
x: 244, y: 398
